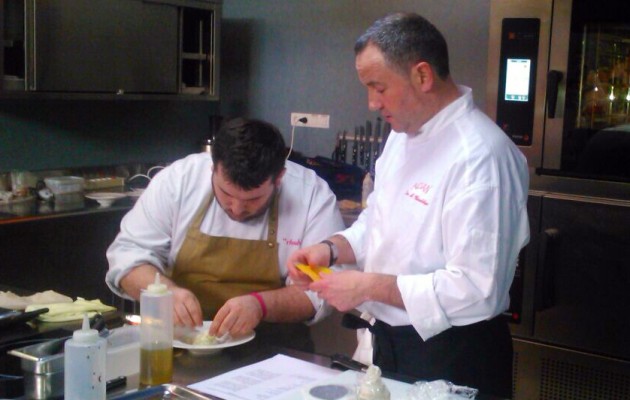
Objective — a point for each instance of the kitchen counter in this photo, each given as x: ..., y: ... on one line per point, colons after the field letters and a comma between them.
x: 189, y: 368
x: 34, y: 209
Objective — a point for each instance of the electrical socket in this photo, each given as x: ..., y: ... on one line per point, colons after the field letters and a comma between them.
x: 312, y: 120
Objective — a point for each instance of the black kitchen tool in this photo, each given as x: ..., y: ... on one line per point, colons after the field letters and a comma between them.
x: 115, y: 383
x: 14, y: 317
x: 343, y: 362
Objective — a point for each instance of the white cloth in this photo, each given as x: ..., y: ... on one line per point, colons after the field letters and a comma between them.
x: 12, y: 301
x: 154, y: 230
x: 364, y: 353
x: 448, y: 216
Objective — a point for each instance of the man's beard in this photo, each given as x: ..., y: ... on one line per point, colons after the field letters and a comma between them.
x: 258, y: 213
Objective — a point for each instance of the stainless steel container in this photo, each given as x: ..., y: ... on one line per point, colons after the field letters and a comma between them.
x: 43, y: 366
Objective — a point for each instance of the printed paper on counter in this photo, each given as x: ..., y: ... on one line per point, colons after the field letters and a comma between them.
x: 270, y: 379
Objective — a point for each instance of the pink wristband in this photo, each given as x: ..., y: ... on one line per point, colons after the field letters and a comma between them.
x: 263, y: 306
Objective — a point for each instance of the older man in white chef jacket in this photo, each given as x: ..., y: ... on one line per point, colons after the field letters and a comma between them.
x: 220, y: 232
x: 439, y: 240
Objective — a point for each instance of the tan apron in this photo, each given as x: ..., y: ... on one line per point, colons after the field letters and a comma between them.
x: 217, y: 268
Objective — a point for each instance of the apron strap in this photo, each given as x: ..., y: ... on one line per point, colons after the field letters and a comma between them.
x: 272, y: 223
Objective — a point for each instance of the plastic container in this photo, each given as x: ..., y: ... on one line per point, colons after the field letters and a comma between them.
x: 123, y: 352
x: 68, y: 190
x: 156, y: 334
x: 84, y: 364
x: 43, y: 368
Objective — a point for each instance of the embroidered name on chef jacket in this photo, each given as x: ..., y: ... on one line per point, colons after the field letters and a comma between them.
x: 419, y: 192
x: 292, y: 242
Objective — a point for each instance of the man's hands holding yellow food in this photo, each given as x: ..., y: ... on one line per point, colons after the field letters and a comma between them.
x: 344, y: 290
x: 318, y: 254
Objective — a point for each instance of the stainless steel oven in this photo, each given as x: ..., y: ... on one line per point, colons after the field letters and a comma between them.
x: 558, y: 85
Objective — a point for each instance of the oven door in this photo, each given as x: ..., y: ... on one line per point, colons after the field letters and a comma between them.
x: 587, y: 125
x: 574, y: 127
x: 582, y: 299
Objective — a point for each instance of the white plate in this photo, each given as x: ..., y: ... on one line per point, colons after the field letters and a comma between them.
x: 212, y: 348
x: 105, y: 199
x: 134, y: 193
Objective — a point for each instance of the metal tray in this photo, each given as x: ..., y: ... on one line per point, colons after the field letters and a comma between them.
x: 170, y: 392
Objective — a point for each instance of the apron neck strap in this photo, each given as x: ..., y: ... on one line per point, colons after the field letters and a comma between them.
x: 272, y: 224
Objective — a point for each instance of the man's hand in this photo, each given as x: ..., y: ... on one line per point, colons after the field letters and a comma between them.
x: 186, y: 308
x: 238, y: 316
x: 343, y: 290
x: 315, y: 255
x: 346, y: 290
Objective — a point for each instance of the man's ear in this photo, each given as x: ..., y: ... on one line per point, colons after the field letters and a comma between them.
x: 279, y: 177
x: 422, y: 76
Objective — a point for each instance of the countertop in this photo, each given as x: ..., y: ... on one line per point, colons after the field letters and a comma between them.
x: 34, y: 209
x: 189, y: 368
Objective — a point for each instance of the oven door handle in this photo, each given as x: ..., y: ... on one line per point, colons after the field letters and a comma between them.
x: 553, y: 83
x: 545, y: 276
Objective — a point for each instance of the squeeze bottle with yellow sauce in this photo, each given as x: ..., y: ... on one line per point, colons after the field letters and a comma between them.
x: 156, y: 334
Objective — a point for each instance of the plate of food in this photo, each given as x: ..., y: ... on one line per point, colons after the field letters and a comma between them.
x: 198, y: 341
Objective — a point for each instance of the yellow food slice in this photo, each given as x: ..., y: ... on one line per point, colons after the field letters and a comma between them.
x: 313, y: 272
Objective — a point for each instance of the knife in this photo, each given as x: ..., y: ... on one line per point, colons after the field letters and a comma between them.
x: 368, y: 145
x: 335, y: 154
x: 386, y: 130
x: 362, y: 145
x: 344, y: 147
x: 355, y: 146
x: 376, y: 146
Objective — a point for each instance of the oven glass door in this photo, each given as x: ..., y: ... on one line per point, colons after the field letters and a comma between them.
x: 582, y: 299
x: 589, y: 135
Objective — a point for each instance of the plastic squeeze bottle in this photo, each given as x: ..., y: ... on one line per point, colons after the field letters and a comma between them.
x: 85, y: 356
x: 156, y: 334
x: 371, y: 386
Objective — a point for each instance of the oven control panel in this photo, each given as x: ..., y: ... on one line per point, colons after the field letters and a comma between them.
x: 517, y: 76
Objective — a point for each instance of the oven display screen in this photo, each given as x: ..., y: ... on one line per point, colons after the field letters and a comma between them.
x: 517, y: 79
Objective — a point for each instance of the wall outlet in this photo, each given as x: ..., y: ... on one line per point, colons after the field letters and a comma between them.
x: 310, y: 120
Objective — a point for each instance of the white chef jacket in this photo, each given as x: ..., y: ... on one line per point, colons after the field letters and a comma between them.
x: 154, y: 229
x: 448, y: 217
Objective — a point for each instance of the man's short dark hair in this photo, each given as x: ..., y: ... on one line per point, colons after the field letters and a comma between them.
x: 406, y: 39
x: 250, y: 152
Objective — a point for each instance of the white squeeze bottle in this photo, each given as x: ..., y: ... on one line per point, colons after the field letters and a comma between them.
x: 85, y: 356
x: 156, y: 334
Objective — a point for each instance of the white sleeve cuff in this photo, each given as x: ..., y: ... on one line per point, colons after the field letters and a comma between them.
x: 422, y: 305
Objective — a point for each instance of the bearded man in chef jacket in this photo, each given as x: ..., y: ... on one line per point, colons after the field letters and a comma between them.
x: 220, y: 228
x: 437, y: 245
